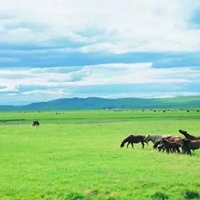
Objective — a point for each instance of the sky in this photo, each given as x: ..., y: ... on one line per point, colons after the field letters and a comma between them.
x: 52, y: 49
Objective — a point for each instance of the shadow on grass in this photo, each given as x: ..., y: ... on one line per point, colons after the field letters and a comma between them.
x: 191, y: 195
x: 89, y: 196
x: 73, y: 196
x: 159, y: 196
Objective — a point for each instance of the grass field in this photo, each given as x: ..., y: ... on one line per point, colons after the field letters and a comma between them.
x: 76, y: 155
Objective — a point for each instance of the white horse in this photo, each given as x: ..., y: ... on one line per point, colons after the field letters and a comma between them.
x: 153, y: 138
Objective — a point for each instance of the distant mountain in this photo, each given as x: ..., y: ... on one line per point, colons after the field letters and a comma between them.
x: 103, y: 103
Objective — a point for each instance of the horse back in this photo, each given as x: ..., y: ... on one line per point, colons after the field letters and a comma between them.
x: 195, y: 144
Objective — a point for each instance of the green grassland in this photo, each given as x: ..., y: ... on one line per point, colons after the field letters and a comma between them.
x: 76, y: 155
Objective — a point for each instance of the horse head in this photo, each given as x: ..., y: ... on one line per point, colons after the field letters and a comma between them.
x: 146, y: 139
x: 183, y: 132
x: 122, y: 144
x: 127, y: 139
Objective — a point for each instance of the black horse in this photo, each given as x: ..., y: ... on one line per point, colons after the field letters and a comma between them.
x: 188, y: 136
x: 133, y: 139
x: 189, y: 145
x: 36, y: 123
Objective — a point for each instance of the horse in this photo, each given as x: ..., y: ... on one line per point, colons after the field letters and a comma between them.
x: 157, y: 143
x: 189, y: 145
x: 160, y: 147
x: 133, y: 139
x: 174, y: 139
x: 154, y: 138
x: 36, y: 123
x: 171, y: 146
x: 188, y: 136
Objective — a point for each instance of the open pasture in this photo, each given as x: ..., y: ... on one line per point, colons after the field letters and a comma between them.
x: 77, y: 155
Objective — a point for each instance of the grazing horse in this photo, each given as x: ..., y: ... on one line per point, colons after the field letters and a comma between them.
x: 133, y: 139
x: 36, y: 123
x: 188, y: 136
x: 156, y: 143
x: 171, y: 146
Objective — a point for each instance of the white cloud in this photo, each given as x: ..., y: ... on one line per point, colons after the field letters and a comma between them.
x: 9, y: 88
x: 107, y: 74
x: 57, y: 93
x: 121, y: 26
x: 108, y: 80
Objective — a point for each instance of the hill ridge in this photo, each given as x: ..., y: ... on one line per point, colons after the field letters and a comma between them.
x: 77, y: 103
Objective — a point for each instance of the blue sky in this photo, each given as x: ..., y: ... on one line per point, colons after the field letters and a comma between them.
x: 62, y: 48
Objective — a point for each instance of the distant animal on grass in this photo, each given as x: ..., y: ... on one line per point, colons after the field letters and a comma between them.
x: 133, y: 139
x: 189, y: 145
x: 35, y: 123
x: 188, y: 136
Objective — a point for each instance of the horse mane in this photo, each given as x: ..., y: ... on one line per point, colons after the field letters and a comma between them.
x: 125, y: 140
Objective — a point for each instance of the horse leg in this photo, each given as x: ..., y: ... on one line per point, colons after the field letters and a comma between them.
x: 189, y: 151
x: 127, y: 144
x: 164, y: 149
x: 142, y: 144
x: 167, y: 149
x: 132, y: 145
x: 183, y: 150
x: 177, y: 149
x: 173, y: 150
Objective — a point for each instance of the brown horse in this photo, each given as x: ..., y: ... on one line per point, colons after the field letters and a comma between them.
x: 133, y: 139
x: 174, y: 139
x: 189, y: 145
x: 170, y: 138
x: 171, y: 146
x: 188, y: 136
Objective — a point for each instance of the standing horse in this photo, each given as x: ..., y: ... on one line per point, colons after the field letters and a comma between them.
x: 188, y: 136
x: 159, y: 144
x: 133, y: 139
x: 189, y: 145
x: 171, y: 146
x: 36, y: 123
x: 154, y: 138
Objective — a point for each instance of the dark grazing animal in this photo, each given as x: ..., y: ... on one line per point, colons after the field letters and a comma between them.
x: 133, y: 139
x: 36, y: 123
x: 188, y: 136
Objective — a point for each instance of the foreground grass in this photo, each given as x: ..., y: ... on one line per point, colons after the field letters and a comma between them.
x: 83, y: 160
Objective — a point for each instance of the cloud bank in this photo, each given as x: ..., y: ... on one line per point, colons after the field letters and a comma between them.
x: 106, y: 80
